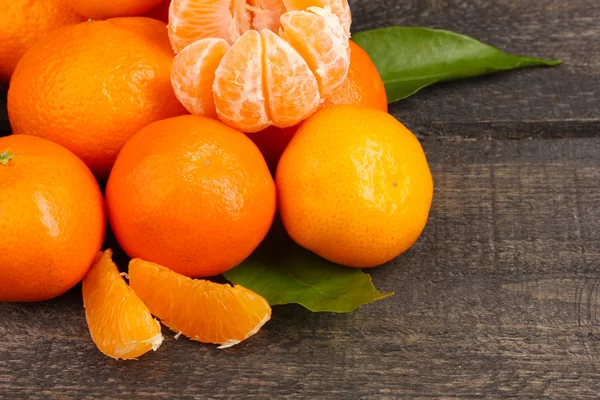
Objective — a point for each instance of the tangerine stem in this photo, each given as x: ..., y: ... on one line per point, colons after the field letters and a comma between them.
x: 5, y: 157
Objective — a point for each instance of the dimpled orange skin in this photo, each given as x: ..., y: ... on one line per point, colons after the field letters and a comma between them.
x: 52, y: 219
x: 191, y: 194
x: 103, y: 9
x: 91, y: 86
x: 354, y: 186
x: 363, y: 87
x: 23, y: 22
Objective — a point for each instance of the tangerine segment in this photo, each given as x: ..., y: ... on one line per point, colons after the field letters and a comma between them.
x: 119, y: 322
x: 192, y: 20
x: 292, y: 89
x: 193, y: 74
x: 201, y: 310
x: 339, y: 8
x: 239, y: 87
x: 318, y: 36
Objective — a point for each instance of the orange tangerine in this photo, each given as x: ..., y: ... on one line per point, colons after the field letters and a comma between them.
x: 191, y: 194
x: 354, y: 186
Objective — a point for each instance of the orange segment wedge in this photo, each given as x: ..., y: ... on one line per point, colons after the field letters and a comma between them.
x: 319, y: 38
x: 193, y: 74
x: 339, y: 8
x: 293, y: 91
x: 201, y: 310
x: 238, y: 88
x: 119, y: 322
x: 192, y: 20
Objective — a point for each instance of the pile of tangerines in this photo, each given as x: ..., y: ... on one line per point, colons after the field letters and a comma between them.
x: 184, y: 122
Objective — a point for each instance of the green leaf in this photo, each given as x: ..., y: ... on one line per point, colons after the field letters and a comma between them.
x: 411, y: 58
x: 285, y: 273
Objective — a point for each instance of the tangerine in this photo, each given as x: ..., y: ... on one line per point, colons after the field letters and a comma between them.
x: 52, y: 219
x: 91, y: 86
x: 191, y: 194
x: 354, y: 186
x: 24, y: 22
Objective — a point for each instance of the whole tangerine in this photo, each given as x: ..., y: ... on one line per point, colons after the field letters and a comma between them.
x: 191, y: 194
x: 52, y: 219
x: 23, y: 22
x: 354, y: 186
x: 91, y: 86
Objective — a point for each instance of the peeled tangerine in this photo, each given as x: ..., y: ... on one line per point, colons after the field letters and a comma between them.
x: 258, y: 63
x: 119, y: 322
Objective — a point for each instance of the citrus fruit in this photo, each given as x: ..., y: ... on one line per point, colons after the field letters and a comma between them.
x: 268, y: 62
x: 23, y: 22
x: 354, y: 186
x: 52, y: 219
x: 103, y: 9
x: 120, y: 323
x: 160, y: 12
x: 201, y: 310
x: 91, y: 86
x: 191, y: 194
x: 363, y: 87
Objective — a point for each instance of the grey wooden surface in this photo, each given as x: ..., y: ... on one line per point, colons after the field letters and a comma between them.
x: 499, y: 297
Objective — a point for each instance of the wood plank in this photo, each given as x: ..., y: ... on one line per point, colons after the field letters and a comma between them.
x: 498, y: 299
x: 550, y: 102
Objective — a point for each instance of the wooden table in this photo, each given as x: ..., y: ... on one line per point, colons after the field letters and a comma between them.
x: 498, y: 299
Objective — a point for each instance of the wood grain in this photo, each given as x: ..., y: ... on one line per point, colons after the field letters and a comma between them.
x: 547, y: 102
x: 499, y: 298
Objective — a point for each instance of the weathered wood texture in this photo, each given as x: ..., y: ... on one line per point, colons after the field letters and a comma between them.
x: 554, y: 102
x: 498, y: 299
